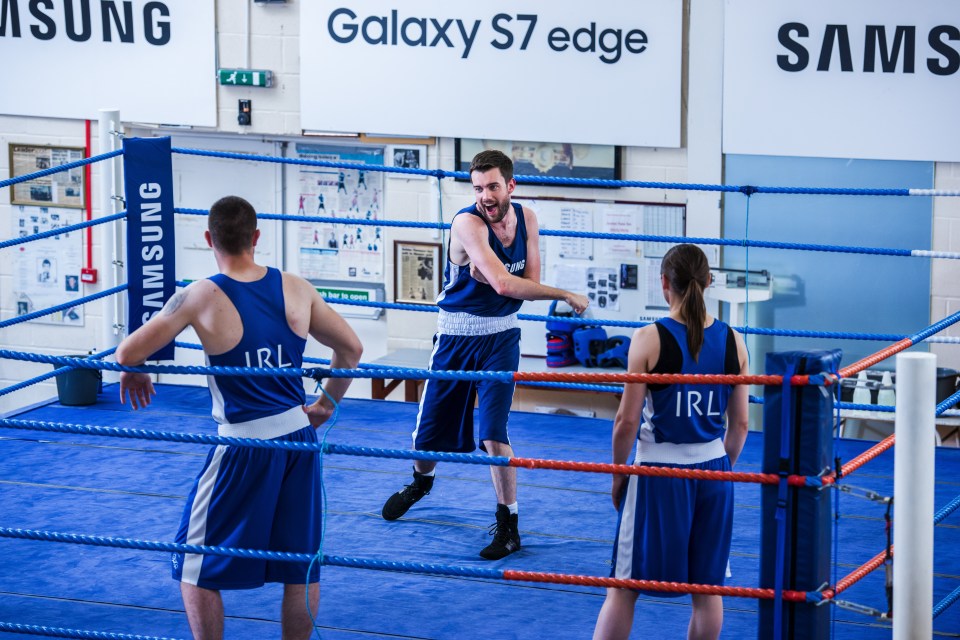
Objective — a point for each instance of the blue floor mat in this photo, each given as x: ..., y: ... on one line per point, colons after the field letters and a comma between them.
x: 131, y: 488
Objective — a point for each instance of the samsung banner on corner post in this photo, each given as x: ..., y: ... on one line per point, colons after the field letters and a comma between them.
x: 600, y: 72
x: 151, y: 263
x: 871, y: 79
x: 154, y: 60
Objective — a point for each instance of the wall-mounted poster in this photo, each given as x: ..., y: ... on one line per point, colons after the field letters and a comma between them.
x: 334, y: 250
x: 416, y: 272
x: 555, y: 159
x: 61, y: 189
x: 48, y: 270
x: 407, y: 156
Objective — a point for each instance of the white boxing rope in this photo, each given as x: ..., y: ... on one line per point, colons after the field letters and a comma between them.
x: 935, y: 192
x: 920, y: 253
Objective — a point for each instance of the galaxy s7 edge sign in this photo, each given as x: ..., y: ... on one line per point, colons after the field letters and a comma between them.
x: 563, y: 70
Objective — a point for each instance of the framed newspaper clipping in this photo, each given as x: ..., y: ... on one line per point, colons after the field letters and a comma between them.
x: 59, y: 189
x: 416, y: 272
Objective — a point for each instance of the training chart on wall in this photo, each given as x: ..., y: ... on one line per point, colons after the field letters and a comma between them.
x: 329, y: 251
x: 614, y: 274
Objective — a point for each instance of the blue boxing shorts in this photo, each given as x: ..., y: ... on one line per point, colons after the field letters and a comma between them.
x: 675, y: 529
x: 249, y: 498
x: 445, y: 420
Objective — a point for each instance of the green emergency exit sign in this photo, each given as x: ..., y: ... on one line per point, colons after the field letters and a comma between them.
x: 246, y: 77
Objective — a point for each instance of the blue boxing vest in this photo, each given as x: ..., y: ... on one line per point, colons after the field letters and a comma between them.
x: 462, y: 294
x: 690, y: 413
x: 268, y: 341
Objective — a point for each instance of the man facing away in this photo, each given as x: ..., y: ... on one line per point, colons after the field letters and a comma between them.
x: 493, y: 265
x: 254, y: 316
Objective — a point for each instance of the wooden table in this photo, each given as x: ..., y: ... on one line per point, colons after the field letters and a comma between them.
x: 380, y: 388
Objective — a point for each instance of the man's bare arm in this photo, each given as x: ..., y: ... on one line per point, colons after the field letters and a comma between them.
x: 472, y: 234
x: 175, y: 316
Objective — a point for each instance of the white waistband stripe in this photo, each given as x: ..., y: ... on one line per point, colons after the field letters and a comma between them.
x: 467, y: 324
x: 265, y: 428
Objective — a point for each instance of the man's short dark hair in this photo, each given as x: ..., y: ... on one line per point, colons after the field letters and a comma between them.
x: 493, y: 159
x: 232, y: 223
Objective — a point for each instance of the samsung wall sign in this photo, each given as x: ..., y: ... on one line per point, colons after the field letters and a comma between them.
x: 876, y: 79
x: 153, y: 60
x: 603, y: 72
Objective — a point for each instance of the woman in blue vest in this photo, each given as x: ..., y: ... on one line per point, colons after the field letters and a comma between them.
x: 672, y: 529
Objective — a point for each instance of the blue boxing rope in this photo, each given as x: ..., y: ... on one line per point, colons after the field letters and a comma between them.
x: 290, y: 372
x: 584, y: 182
x: 199, y: 438
x: 925, y: 336
x: 597, y: 235
x: 46, y: 376
x: 62, y: 632
x: 577, y: 386
x: 792, y: 333
x: 61, y: 307
x: 285, y: 372
x: 284, y: 556
x: 234, y: 552
x: 324, y: 447
x: 27, y: 177
x: 942, y: 606
x: 62, y: 230
x: 947, y: 510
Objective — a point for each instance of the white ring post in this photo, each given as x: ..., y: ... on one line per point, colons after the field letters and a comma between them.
x: 109, y: 269
x: 913, y: 496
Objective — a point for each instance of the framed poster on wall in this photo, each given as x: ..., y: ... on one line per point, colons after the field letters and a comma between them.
x: 416, y: 272
x: 407, y: 156
x: 560, y: 160
x: 61, y: 189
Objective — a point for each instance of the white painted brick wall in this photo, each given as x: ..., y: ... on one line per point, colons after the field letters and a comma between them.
x: 945, y: 274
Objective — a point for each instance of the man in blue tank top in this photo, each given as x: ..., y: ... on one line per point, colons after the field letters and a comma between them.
x: 493, y: 265
x: 249, y: 315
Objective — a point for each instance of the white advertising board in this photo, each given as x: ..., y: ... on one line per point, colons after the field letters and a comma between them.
x: 153, y: 60
x: 602, y: 72
x: 870, y: 79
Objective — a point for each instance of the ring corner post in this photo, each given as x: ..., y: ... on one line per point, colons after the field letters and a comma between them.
x: 796, y: 535
x: 111, y: 175
x: 913, y: 482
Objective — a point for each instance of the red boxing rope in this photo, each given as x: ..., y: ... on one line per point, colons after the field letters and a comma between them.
x: 879, y: 356
x: 650, y: 585
x: 857, y: 574
x: 663, y: 472
x: 658, y: 378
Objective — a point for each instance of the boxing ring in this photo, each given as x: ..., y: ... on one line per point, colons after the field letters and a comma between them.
x: 92, y: 497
